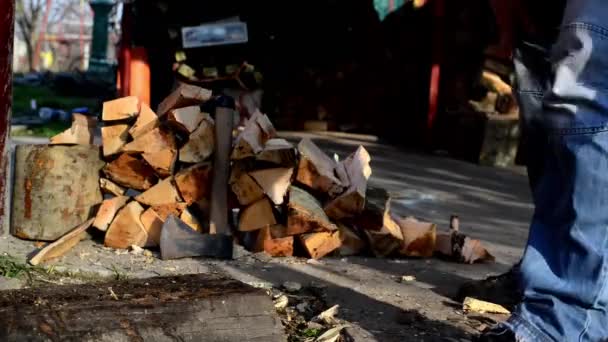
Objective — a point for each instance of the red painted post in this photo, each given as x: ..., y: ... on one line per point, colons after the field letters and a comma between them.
x: 7, y: 24
x: 437, y: 56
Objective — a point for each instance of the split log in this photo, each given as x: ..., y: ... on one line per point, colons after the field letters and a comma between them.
x: 244, y: 187
x: 167, y: 210
x: 153, y: 225
x: 109, y: 187
x: 218, y: 203
x: 150, y: 309
x: 201, y: 143
x: 352, y: 202
x: 63, y: 245
x: 80, y: 133
x: 130, y: 172
x: 114, y: 138
x: 418, y: 238
x: 305, y: 214
x: 317, y: 171
x: 178, y: 240
x: 194, y: 183
x: 274, y: 182
x: 162, y: 193
x: 319, y: 245
x: 120, y: 109
x: 279, y: 152
x: 258, y: 130
x: 156, y: 140
x: 107, y: 211
x: 461, y: 248
x: 163, y: 162
x: 273, y: 245
x: 186, y: 119
x: 352, y: 243
x: 191, y: 221
x: 126, y: 229
x: 146, y: 121
x: 185, y: 95
x: 256, y: 216
x: 383, y: 232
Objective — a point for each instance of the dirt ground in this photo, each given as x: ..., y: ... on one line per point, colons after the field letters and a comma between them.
x: 493, y: 204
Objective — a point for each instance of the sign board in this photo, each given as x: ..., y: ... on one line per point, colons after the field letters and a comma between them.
x: 214, y: 34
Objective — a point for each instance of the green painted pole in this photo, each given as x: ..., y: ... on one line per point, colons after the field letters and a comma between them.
x: 98, y: 61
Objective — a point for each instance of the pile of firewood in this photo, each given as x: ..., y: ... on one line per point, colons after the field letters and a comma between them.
x: 291, y: 200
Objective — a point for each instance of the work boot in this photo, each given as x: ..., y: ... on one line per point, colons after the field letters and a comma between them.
x: 502, y: 289
x: 496, y: 334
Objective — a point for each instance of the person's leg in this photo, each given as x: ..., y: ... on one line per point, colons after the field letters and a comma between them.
x: 565, y: 266
x: 533, y: 69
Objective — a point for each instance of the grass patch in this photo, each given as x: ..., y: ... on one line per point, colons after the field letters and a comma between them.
x: 47, y: 97
x: 48, y: 130
x: 12, y: 268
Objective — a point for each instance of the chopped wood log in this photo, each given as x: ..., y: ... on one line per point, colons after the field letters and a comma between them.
x: 461, y: 248
x: 150, y: 309
x: 80, y: 133
x: 167, y: 210
x: 480, y: 306
x: 383, y: 244
x: 279, y: 152
x: 146, y: 121
x: 305, y: 214
x: 163, y: 162
x: 162, y: 193
x: 201, y: 143
x: 244, y: 187
x: 153, y: 225
x: 194, y: 183
x: 121, y: 109
x: 185, y: 95
x: 114, y: 138
x: 274, y: 182
x: 191, y: 220
x: 109, y: 187
x: 352, y: 243
x: 156, y: 140
x: 352, y: 202
x: 218, y: 205
x: 256, y: 216
x: 258, y: 129
x: 186, y: 119
x: 63, y: 245
x: 126, y: 229
x: 178, y: 240
x: 130, y: 172
x: 273, y: 246
x: 317, y: 171
x: 319, y: 245
x: 418, y: 238
x: 107, y: 211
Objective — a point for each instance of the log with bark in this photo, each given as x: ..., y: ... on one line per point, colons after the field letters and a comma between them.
x: 130, y: 172
x: 305, y: 215
x: 244, y: 187
x: 109, y: 187
x: 418, y: 238
x: 185, y: 95
x: 194, y: 183
x: 126, y: 228
x: 317, y: 171
x: 257, y: 131
x: 352, y: 201
x: 62, y: 246
x: 114, y: 138
x: 274, y: 242
x: 146, y: 121
x: 279, y: 152
x: 80, y: 133
x: 162, y: 193
x: 108, y: 210
x: 201, y: 143
x: 121, y: 109
x: 318, y: 245
x: 256, y: 216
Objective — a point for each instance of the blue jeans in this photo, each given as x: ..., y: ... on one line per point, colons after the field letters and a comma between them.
x: 563, y: 94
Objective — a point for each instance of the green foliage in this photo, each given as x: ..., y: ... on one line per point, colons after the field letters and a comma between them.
x: 12, y: 268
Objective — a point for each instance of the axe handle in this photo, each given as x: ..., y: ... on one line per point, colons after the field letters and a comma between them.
x: 224, y: 118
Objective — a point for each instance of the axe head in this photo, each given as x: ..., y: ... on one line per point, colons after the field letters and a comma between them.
x: 178, y: 240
